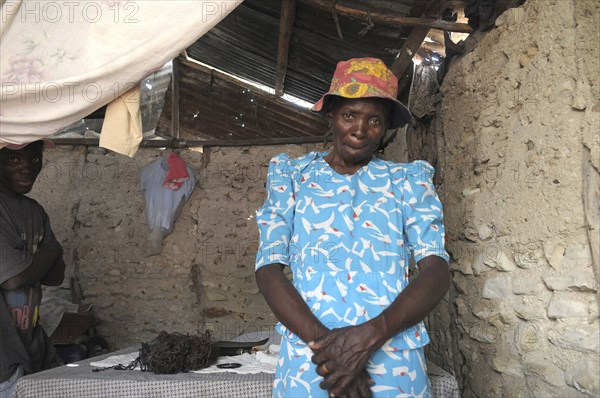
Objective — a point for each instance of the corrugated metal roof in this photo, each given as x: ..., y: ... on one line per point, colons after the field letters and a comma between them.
x: 214, y: 106
x: 245, y: 44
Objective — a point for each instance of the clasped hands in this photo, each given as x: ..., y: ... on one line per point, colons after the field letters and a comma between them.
x: 341, y: 357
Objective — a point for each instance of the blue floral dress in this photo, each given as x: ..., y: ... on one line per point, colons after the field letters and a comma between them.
x: 348, y: 240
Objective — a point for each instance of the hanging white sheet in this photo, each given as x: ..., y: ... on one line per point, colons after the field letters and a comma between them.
x: 62, y: 60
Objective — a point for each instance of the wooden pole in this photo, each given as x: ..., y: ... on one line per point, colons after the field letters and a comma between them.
x: 199, y: 143
x: 403, y: 65
x: 175, y: 99
x: 390, y: 20
x: 286, y: 28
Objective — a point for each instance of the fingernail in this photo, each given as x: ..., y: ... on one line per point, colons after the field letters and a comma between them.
x: 311, y: 343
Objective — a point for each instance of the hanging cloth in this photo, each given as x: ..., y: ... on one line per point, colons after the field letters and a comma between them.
x: 177, y: 172
x: 61, y: 61
x: 163, y: 205
x: 122, y: 127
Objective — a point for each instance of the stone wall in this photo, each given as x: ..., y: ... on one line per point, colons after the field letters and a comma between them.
x: 519, y: 181
x: 204, y: 277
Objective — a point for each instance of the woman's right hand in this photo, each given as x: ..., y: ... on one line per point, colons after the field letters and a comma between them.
x: 361, y: 387
x: 342, y: 355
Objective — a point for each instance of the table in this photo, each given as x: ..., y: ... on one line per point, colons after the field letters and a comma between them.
x: 81, y: 382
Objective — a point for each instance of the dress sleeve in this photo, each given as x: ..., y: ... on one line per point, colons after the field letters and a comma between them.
x: 423, y: 213
x: 275, y: 217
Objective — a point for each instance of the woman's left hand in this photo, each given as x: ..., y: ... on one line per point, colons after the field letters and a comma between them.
x: 342, y: 354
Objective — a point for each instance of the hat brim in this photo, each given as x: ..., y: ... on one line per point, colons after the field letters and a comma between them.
x: 399, y: 117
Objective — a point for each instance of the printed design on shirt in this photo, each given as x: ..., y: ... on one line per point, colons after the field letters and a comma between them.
x: 23, y: 307
x: 348, y: 240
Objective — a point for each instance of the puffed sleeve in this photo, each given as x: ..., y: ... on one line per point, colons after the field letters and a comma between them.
x: 275, y: 217
x: 423, y: 213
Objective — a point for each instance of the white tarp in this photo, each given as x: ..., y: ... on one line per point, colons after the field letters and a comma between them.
x: 61, y: 60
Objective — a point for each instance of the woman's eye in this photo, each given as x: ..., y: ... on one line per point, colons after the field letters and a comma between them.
x: 13, y: 159
x: 347, y: 115
x: 36, y: 160
x: 375, y: 121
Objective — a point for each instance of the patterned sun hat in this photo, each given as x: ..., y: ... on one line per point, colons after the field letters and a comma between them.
x: 366, y: 78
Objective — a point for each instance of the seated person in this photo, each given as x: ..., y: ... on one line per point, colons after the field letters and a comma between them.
x: 30, y: 256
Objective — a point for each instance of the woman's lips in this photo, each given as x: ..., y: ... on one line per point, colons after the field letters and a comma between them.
x: 356, y: 147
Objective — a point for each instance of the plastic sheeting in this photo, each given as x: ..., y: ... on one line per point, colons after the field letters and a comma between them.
x: 60, y: 61
x: 163, y: 204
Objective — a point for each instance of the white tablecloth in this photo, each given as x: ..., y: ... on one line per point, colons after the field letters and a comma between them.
x: 81, y: 382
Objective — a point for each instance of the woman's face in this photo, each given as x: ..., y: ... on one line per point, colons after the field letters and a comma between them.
x: 358, y: 127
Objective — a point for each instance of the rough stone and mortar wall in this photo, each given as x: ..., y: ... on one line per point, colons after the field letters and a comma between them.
x: 519, y: 181
x: 204, y: 277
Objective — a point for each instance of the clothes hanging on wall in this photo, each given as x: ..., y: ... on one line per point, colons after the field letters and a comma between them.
x: 177, y: 173
x: 163, y: 204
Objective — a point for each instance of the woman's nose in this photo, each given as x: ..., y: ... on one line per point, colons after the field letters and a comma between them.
x: 360, y: 129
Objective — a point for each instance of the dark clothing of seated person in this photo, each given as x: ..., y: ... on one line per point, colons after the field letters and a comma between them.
x: 347, y: 223
x: 30, y: 256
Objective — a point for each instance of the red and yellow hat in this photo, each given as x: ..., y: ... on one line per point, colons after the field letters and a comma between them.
x: 366, y: 78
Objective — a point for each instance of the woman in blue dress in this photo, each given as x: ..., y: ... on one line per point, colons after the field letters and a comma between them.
x: 347, y: 224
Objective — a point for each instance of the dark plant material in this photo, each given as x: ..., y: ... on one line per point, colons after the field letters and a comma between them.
x: 172, y: 353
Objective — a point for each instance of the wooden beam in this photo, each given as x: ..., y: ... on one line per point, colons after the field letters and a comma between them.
x: 403, y: 65
x: 175, y: 99
x: 286, y: 28
x: 390, y: 20
x: 199, y: 143
x: 408, y: 51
